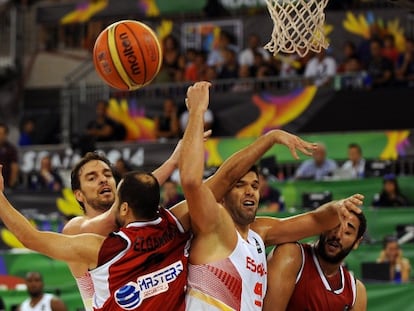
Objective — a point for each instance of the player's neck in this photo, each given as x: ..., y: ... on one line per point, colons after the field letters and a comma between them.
x: 243, y: 230
x: 328, y: 269
x: 35, y: 300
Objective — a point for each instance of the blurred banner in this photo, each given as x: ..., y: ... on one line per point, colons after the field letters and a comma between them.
x: 386, y: 145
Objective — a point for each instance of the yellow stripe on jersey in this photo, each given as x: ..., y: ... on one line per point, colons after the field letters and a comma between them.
x: 209, y: 300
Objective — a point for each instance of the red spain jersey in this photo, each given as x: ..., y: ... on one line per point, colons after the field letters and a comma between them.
x: 143, y: 267
x: 313, y: 292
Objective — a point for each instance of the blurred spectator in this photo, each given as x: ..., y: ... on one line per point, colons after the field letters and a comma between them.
x: 258, y: 62
x: 400, y: 267
x: 321, y: 69
x: 171, y: 54
x: 271, y: 201
x: 121, y: 167
x: 47, y: 178
x: 389, y: 50
x: 290, y: 65
x: 104, y: 128
x: 39, y: 300
x: 27, y: 131
x: 190, y: 55
x: 230, y: 68
x: 379, y: 68
x: 261, y: 68
x: 390, y: 195
x: 317, y: 168
x: 208, y: 120
x: 246, y: 56
x: 211, y: 74
x: 242, y: 85
x: 170, y: 195
x: 355, y: 163
x: 215, y: 57
x: 352, y: 65
x: 405, y: 65
x: 349, y: 56
x: 196, y: 70
x: 364, y: 49
x: 8, y: 158
x: 166, y: 124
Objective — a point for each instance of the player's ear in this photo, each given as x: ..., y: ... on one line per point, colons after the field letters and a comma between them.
x: 78, y: 195
x: 124, y: 209
x: 356, y: 245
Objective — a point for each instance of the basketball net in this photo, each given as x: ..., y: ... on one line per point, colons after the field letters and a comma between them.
x: 298, y: 26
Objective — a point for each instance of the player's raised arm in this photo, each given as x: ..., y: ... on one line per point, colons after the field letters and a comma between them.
x: 202, y: 205
x: 163, y: 172
x: 240, y: 162
x: 290, y: 229
x: 62, y: 247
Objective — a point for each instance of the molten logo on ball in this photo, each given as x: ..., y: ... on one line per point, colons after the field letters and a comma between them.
x: 129, y: 53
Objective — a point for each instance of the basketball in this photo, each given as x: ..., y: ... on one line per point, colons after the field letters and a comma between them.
x: 127, y: 55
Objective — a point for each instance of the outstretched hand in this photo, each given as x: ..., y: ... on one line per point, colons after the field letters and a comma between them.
x: 346, y: 206
x: 295, y: 143
x: 198, y: 95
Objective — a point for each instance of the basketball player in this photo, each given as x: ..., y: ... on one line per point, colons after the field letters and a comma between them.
x: 227, y: 264
x: 39, y: 300
x: 311, y: 277
x: 94, y: 187
x: 142, y: 265
x: 84, y: 253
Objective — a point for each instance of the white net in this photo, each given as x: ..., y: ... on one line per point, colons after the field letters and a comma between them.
x: 298, y: 26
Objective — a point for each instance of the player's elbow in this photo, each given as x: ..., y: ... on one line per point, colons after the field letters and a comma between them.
x: 190, y: 182
x: 28, y: 240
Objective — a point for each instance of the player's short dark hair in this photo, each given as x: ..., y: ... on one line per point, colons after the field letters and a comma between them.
x: 254, y: 169
x: 142, y: 193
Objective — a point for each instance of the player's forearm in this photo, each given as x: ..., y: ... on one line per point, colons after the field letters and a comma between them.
x: 326, y: 216
x: 239, y: 163
x: 192, y: 160
x: 16, y: 222
x: 163, y: 172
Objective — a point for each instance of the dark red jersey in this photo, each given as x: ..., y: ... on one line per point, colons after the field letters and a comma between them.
x: 313, y: 291
x: 143, y: 267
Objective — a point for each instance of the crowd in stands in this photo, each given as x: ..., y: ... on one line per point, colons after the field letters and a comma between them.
x: 376, y: 58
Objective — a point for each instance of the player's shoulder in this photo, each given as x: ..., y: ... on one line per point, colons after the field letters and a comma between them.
x: 360, y: 287
x: 74, y: 225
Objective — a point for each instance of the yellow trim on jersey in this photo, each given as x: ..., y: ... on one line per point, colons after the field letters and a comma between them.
x: 209, y: 300
x: 115, y: 56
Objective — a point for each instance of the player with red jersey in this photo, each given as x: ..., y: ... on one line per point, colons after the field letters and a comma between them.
x: 304, y: 277
x: 160, y: 269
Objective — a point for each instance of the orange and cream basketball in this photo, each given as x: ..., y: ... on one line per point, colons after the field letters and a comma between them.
x: 127, y: 55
